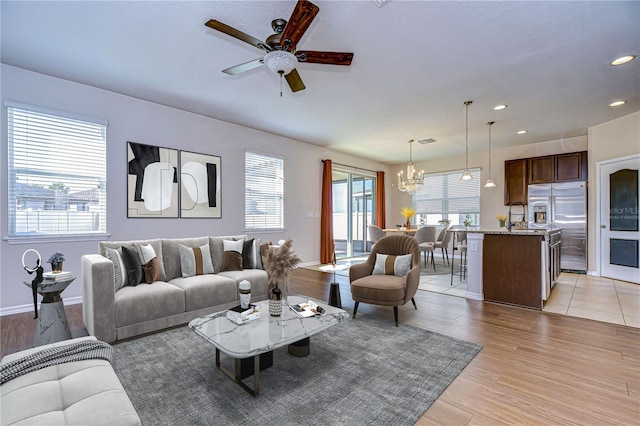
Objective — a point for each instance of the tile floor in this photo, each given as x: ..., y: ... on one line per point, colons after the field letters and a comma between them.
x: 576, y: 295
x: 597, y: 298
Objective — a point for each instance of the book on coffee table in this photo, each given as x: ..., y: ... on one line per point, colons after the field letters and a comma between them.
x: 307, y: 309
x: 240, y: 315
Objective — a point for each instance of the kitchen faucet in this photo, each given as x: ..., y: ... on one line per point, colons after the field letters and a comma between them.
x: 524, y: 213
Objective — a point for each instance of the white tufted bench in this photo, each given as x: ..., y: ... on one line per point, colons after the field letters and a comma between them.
x: 74, y: 393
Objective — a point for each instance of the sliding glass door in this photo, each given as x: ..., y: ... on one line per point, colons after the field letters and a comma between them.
x: 353, y: 212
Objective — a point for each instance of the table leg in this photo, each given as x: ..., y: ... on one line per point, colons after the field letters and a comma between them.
x: 453, y: 256
x: 256, y: 375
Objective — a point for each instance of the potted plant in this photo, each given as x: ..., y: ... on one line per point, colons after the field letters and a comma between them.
x: 56, y: 260
x: 444, y: 222
x: 467, y: 221
x: 408, y: 213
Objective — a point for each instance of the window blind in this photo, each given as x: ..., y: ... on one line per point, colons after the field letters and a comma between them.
x: 445, y: 196
x: 57, y: 174
x: 264, y: 192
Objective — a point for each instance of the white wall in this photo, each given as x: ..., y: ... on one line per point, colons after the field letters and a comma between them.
x: 613, y: 139
x: 140, y: 121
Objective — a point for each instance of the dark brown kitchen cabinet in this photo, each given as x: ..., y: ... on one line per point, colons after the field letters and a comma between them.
x: 515, y: 181
x: 571, y: 167
x: 541, y: 169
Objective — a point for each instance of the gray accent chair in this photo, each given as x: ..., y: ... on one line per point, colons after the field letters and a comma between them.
x: 386, y: 290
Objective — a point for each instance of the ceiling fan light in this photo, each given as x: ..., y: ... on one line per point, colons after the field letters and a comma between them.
x: 280, y: 61
x: 489, y: 183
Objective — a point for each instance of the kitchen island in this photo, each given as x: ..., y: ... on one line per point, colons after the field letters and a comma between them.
x: 517, y: 267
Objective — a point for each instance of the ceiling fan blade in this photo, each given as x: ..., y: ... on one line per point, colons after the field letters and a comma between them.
x: 224, y: 28
x: 294, y: 80
x: 331, y: 58
x: 244, y: 67
x: 300, y: 19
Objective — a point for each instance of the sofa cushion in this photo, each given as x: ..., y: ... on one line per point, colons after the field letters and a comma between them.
x: 257, y: 277
x: 195, y: 260
x: 146, y: 302
x: 202, y: 291
x: 75, y: 393
x: 156, y: 244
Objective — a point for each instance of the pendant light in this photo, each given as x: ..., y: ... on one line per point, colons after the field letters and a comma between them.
x: 490, y: 183
x: 466, y: 175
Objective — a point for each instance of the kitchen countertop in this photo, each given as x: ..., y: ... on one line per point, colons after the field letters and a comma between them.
x: 504, y: 231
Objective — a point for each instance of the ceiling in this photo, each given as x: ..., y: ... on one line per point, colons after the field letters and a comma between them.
x: 415, y: 63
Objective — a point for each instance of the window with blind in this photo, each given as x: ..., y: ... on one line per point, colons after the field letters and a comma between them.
x: 264, y: 192
x: 445, y: 196
x: 57, y: 174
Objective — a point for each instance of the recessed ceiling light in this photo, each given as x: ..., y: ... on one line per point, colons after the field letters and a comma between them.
x: 617, y: 103
x: 499, y: 107
x: 521, y: 132
x: 622, y: 60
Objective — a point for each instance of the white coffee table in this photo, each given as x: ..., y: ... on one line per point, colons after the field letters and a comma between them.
x: 256, y: 339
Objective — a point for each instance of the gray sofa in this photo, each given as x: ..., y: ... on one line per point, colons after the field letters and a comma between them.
x: 84, y: 392
x: 171, y: 300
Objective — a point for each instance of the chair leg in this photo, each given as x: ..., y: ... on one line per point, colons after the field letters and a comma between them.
x: 395, y: 314
x: 414, y: 303
x: 355, y: 309
x: 447, y: 252
x: 433, y: 261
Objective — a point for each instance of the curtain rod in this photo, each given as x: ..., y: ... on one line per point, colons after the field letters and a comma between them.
x: 353, y: 167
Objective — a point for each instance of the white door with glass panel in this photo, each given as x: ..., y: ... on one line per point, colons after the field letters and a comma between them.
x: 619, y: 222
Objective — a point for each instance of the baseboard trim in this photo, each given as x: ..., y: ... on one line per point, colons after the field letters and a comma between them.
x: 474, y: 296
x: 20, y: 309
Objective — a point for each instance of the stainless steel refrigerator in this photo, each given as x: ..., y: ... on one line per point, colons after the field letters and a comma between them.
x: 562, y: 205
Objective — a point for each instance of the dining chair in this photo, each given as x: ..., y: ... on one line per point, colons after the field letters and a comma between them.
x: 375, y: 233
x: 426, y: 238
x: 443, y: 240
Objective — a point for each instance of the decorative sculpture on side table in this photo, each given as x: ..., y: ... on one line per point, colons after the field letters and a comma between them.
x: 37, y: 280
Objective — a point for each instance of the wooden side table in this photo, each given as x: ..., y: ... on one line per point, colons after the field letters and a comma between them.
x: 53, y: 325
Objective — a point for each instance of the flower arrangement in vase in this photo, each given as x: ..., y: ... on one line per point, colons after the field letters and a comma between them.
x: 408, y: 213
x: 56, y: 260
x: 502, y: 219
x: 467, y: 221
x: 279, y: 262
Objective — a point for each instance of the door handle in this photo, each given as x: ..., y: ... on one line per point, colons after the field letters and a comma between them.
x: 603, y: 226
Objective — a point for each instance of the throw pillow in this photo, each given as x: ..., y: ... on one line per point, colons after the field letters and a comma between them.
x: 263, y: 252
x: 151, y: 271
x: 195, y: 261
x: 118, y: 268
x: 232, y: 260
x: 392, y: 265
x: 146, y: 253
x: 149, y: 261
x: 247, y: 254
x: 132, y: 265
x: 257, y: 259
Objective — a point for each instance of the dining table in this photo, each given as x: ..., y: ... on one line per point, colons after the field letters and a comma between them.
x: 400, y: 231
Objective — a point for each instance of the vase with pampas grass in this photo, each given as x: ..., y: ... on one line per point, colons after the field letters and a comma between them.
x: 279, y: 262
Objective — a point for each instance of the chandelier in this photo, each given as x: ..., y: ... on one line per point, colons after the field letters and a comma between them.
x: 413, y: 181
x: 490, y: 183
x: 466, y: 175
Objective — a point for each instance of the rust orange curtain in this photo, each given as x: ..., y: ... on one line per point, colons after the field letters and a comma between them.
x: 381, y: 219
x: 326, y: 215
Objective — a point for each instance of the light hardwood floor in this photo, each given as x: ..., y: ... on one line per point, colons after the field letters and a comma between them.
x: 535, y: 368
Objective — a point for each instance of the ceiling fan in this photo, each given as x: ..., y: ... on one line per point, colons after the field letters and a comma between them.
x: 282, y: 54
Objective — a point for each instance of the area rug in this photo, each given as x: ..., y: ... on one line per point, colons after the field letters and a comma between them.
x: 360, y: 372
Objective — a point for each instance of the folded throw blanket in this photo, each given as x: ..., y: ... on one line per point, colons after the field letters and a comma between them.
x: 92, y: 349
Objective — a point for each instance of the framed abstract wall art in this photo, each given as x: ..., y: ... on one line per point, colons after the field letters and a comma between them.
x: 200, y: 190
x: 152, y: 181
